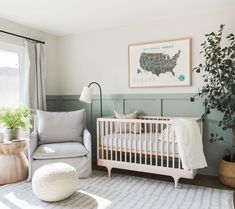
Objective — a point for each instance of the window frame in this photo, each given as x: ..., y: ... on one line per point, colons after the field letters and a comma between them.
x: 21, y: 58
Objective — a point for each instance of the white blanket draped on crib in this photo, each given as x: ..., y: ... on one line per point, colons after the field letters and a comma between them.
x: 188, y: 136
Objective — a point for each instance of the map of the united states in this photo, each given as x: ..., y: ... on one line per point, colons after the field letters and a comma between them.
x: 158, y: 63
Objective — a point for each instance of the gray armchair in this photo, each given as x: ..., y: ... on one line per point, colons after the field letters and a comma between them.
x: 60, y: 137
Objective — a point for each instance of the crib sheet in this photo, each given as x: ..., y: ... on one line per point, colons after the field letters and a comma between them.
x: 137, y: 143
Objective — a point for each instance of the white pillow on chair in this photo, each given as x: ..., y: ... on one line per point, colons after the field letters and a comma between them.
x: 56, y: 127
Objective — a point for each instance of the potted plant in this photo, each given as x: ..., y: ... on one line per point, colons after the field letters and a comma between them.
x: 218, y: 71
x: 14, y: 119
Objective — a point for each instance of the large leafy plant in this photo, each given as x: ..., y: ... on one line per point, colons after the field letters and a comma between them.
x: 12, y: 118
x: 218, y: 71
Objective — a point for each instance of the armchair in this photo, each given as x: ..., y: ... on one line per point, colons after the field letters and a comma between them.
x: 60, y: 137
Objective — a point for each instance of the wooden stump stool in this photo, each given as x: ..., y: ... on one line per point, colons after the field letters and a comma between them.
x: 13, y: 162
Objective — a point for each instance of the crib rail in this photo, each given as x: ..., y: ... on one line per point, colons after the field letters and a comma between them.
x: 149, y: 140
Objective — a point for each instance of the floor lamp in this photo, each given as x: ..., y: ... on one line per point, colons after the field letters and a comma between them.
x: 86, y: 95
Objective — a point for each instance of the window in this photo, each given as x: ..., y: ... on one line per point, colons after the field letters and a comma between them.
x: 11, y: 66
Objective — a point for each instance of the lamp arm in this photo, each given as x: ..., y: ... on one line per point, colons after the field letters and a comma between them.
x: 100, y: 95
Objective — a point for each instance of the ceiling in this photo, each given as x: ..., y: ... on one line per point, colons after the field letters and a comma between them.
x: 62, y: 17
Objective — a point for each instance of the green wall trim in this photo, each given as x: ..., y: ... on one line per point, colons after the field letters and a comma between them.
x: 147, y: 104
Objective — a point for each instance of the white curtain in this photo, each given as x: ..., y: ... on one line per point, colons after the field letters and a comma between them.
x: 34, y: 93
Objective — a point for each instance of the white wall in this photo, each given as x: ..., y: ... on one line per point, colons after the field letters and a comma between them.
x: 74, y: 61
x: 102, y: 56
x: 50, y: 48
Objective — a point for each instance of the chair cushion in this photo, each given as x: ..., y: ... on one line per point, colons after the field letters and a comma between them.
x: 60, y: 150
x: 54, y: 127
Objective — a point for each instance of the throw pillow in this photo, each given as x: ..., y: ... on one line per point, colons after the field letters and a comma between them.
x: 56, y: 127
x: 133, y: 127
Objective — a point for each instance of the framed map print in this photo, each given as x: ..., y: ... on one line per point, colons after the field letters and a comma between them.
x: 159, y: 64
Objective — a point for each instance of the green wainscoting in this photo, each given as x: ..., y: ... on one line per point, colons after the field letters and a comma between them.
x: 148, y: 104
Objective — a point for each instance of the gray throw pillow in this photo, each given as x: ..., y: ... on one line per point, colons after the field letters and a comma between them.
x: 133, y: 127
x: 54, y: 127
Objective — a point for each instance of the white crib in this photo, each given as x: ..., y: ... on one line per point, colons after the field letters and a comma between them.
x: 146, y: 144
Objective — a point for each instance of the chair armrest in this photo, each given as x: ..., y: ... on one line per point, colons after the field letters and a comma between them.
x: 87, y: 140
x: 33, y: 143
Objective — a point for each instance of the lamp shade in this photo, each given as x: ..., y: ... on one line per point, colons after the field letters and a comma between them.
x: 86, y: 95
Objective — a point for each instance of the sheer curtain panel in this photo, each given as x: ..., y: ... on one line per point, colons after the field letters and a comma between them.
x: 34, y: 83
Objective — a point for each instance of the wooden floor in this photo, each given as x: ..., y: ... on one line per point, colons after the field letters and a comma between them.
x: 199, y: 180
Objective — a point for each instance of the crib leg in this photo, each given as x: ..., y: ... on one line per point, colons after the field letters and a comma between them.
x: 109, y: 172
x: 176, y: 179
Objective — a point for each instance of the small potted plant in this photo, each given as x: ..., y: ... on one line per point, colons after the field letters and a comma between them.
x: 219, y: 92
x: 14, y: 119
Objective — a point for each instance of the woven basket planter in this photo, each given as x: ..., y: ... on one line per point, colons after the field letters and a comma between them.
x: 227, y: 172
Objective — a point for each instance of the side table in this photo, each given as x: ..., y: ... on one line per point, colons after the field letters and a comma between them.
x: 13, y: 162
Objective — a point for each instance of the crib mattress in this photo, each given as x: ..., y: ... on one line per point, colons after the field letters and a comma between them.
x: 138, y: 143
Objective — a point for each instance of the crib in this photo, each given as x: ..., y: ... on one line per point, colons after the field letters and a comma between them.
x: 146, y: 144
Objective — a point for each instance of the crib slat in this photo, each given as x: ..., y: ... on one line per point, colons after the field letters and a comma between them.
x: 125, y: 143
x: 116, y: 145
x: 106, y: 134
x: 179, y: 160
x: 173, y: 149
x: 156, y: 139
x: 130, y: 142
x: 102, y: 139
x: 140, y: 139
x: 162, y: 145
x: 111, y: 133
x: 167, y: 158
x: 135, y: 142
x: 145, y: 137
x: 98, y: 138
x: 120, y: 137
x: 151, y: 145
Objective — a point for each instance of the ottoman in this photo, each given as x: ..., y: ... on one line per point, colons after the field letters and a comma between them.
x: 54, y: 182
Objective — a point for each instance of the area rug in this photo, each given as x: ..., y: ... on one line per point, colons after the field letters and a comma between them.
x: 121, y: 192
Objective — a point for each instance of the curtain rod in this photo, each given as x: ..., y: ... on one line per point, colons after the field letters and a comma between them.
x: 13, y: 34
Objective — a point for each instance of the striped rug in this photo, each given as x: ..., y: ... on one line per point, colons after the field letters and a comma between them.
x: 121, y: 192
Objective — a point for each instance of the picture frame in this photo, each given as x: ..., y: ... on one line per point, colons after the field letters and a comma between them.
x: 160, y: 63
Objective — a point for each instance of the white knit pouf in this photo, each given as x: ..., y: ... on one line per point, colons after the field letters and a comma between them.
x: 54, y: 182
